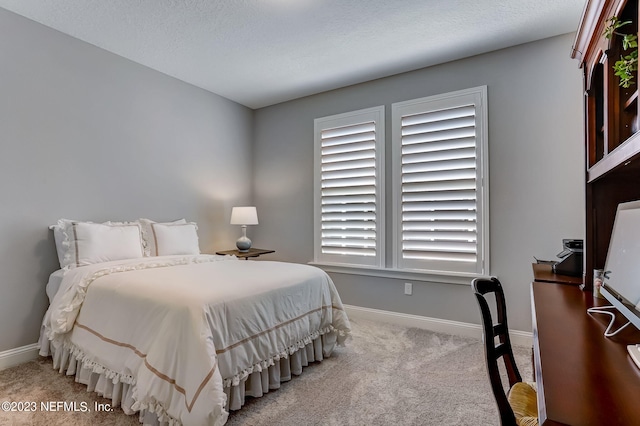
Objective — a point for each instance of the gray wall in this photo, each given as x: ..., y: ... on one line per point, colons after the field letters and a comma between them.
x: 536, y: 172
x: 88, y: 135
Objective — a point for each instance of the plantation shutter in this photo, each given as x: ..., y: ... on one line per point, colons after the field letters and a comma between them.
x: 439, y: 184
x: 349, y: 188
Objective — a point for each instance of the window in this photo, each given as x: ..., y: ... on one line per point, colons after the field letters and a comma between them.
x: 349, y: 188
x: 439, y: 189
x: 440, y: 207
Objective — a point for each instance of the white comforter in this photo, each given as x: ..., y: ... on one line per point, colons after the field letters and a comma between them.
x: 181, y: 328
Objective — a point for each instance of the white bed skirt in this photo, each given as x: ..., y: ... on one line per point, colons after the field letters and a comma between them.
x: 255, y: 384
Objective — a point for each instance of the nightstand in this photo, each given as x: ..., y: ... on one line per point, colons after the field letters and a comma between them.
x: 253, y: 252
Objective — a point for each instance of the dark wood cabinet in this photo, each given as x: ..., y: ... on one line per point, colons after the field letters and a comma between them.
x: 612, y: 139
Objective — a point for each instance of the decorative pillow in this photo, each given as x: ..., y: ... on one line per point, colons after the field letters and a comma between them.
x: 174, y: 239
x: 148, y: 236
x: 84, y: 243
x: 97, y: 242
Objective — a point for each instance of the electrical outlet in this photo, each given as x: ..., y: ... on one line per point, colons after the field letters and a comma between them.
x: 408, y: 289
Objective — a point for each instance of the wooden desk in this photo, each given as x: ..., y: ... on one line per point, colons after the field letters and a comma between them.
x: 583, y: 378
x: 544, y: 272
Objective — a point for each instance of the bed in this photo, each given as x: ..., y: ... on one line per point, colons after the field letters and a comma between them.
x: 183, y: 338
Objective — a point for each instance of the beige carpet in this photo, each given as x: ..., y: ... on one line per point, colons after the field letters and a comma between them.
x: 387, y: 375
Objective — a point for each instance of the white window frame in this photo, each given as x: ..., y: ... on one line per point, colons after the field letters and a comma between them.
x: 376, y: 115
x: 478, y: 97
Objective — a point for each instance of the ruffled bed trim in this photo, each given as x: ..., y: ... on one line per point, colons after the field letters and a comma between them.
x: 120, y: 388
x: 264, y: 364
x: 64, y: 226
x: 154, y: 407
x: 145, y: 240
x: 88, y: 363
x: 254, y: 381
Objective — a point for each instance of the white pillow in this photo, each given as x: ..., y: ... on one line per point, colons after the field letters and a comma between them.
x: 96, y: 242
x: 148, y: 236
x: 175, y: 238
x: 84, y: 243
x: 62, y: 248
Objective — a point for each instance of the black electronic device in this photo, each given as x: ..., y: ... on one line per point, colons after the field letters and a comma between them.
x: 571, y: 255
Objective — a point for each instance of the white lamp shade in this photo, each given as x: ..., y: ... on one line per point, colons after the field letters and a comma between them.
x: 244, y: 216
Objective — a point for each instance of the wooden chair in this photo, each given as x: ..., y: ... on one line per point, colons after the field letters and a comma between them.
x: 518, y: 406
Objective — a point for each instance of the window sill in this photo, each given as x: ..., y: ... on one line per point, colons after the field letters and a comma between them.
x: 405, y: 274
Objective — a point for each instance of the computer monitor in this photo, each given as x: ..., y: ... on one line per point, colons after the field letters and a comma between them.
x: 622, y: 287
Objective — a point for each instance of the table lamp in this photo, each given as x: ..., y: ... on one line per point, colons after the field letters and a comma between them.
x: 244, y: 216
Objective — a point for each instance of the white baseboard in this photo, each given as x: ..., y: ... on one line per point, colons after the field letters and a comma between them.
x: 519, y: 338
x: 18, y: 355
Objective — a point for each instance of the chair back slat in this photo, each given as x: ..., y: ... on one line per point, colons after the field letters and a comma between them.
x: 497, y: 343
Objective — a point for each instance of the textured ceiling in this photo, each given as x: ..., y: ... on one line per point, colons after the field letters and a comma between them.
x: 261, y: 52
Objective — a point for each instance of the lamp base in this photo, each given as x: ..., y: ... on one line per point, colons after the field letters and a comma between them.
x: 244, y: 244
